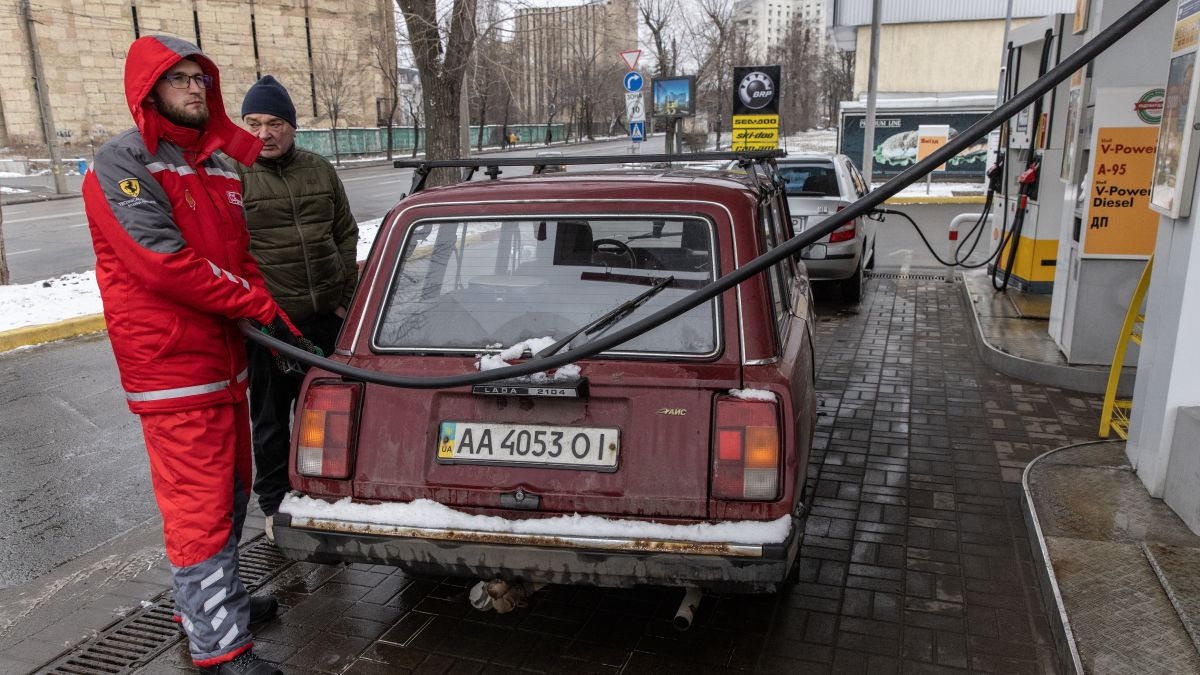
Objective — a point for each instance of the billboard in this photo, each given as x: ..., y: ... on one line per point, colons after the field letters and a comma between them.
x: 896, y: 141
x: 674, y: 96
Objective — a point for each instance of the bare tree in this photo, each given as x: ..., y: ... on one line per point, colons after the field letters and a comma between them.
x: 441, y: 49
x: 720, y: 40
x: 837, y: 81
x: 383, y: 51
x: 336, y: 79
x: 490, y: 70
x: 413, y: 102
x: 797, y: 52
x: 660, y: 18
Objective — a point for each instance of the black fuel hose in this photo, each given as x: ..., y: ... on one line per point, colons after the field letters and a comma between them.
x: 858, y: 209
x: 959, y: 260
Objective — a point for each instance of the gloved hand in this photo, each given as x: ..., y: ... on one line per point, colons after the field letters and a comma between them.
x: 282, y: 329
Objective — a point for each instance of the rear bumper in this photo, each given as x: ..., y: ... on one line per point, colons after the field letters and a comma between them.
x: 840, y: 261
x: 557, y: 560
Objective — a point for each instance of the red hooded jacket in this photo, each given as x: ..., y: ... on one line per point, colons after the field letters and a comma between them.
x: 172, y: 250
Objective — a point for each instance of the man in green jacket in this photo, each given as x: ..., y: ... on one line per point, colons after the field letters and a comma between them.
x: 305, y: 241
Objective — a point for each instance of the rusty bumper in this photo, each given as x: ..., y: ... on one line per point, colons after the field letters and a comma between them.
x: 592, y: 561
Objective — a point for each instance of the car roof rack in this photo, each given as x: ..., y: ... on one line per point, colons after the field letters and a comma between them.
x: 748, y: 159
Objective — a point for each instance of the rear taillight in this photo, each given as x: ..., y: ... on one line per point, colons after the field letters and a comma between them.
x: 326, y: 430
x: 746, y: 461
x: 843, y: 233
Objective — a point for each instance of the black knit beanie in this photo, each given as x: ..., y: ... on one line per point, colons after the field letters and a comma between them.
x: 269, y: 96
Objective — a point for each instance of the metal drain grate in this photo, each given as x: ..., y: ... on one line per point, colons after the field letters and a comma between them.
x: 907, y: 276
x: 140, y: 638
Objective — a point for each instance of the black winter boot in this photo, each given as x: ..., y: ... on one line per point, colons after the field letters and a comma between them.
x: 262, y: 608
x: 245, y: 663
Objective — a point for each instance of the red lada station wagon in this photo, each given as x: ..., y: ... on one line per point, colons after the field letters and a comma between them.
x: 677, y: 458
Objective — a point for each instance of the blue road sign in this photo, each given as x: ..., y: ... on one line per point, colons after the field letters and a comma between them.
x: 633, y: 81
x: 637, y: 131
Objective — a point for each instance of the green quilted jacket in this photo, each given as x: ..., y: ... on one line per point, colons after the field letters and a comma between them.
x: 301, y: 232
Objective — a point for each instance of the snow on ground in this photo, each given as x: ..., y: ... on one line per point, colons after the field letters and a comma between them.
x: 65, y: 297
x: 936, y: 189
x: 367, y: 230
x: 424, y: 513
x: 814, y: 140
x: 75, y: 295
x: 4, y: 189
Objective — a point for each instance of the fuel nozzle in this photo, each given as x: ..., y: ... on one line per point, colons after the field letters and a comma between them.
x: 1029, y: 175
x: 995, y: 174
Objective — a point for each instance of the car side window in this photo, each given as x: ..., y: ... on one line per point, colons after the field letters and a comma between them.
x: 779, y: 276
x: 860, y: 184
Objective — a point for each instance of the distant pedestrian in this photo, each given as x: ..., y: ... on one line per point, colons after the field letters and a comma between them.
x: 175, y: 273
x: 305, y: 241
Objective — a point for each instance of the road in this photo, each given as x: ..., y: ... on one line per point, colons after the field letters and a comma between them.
x: 47, y: 239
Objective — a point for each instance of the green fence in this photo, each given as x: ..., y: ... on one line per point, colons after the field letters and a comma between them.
x: 359, y: 142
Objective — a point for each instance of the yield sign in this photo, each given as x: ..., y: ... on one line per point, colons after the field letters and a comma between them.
x: 631, y: 57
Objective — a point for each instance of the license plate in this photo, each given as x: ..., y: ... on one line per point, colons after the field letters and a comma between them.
x: 589, y: 448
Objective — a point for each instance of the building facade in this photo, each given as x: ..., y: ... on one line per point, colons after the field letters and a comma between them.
x: 82, y: 46
x: 765, y: 23
x: 562, y: 51
x: 932, y: 46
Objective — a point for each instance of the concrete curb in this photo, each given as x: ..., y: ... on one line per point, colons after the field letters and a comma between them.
x: 931, y: 199
x: 1069, y: 660
x: 1075, y: 378
x: 49, y: 332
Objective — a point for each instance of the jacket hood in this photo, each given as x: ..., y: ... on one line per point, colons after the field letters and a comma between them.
x: 148, y: 58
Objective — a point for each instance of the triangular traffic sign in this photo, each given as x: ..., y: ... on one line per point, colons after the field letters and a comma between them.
x: 631, y: 57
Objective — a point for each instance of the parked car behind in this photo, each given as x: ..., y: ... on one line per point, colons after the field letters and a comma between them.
x: 551, y: 167
x: 819, y: 185
x: 676, y: 458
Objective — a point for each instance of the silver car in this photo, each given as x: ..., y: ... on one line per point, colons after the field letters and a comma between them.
x: 819, y: 185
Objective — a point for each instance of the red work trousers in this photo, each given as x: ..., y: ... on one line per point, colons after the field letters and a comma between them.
x: 199, y: 461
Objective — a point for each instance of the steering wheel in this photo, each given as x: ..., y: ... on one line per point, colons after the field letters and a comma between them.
x: 621, y: 248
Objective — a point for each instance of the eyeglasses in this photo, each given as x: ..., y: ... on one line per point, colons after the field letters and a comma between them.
x: 181, y: 81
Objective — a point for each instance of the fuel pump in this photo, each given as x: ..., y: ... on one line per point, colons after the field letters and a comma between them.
x: 1106, y: 229
x: 1024, y: 234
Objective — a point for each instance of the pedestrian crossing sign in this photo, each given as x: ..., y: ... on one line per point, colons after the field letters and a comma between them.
x: 637, y: 131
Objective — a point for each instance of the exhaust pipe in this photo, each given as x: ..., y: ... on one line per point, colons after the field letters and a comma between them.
x: 687, y: 608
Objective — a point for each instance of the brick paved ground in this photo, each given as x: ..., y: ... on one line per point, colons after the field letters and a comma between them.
x: 915, y: 557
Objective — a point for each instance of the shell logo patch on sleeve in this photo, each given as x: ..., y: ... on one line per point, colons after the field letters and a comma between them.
x: 131, y: 187
x: 233, y: 197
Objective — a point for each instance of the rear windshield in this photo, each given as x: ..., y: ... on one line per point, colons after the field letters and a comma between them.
x: 477, y: 285
x: 811, y: 180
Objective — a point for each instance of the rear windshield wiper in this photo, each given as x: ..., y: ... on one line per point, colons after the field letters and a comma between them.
x: 616, y: 314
